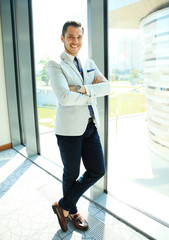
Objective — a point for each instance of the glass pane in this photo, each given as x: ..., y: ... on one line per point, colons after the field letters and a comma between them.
x: 49, y: 17
x: 138, y: 105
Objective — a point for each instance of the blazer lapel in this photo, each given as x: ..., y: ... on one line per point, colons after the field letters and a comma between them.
x: 66, y: 59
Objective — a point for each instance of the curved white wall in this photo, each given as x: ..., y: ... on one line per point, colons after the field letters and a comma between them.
x: 155, y: 39
x: 4, y: 121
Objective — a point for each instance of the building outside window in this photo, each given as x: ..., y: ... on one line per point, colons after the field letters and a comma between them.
x: 138, y: 164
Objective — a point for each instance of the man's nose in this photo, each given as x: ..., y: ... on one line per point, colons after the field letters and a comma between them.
x: 75, y: 39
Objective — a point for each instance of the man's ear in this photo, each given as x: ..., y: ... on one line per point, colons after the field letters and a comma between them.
x: 62, y: 38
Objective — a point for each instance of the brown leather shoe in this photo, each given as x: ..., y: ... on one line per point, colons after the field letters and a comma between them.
x: 61, y: 218
x: 79, y: 221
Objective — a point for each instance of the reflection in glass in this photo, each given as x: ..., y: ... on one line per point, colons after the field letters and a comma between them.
x: 138, y: 108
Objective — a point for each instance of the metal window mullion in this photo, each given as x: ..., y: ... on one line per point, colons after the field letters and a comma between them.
x: 16, y: 63
x: 97, y: 11
x: 106, y: 99
x: 34, y: 88
x: 10, y: 74
x: 27, y: 77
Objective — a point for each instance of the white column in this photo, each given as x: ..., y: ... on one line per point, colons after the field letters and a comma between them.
x: 155, y: 38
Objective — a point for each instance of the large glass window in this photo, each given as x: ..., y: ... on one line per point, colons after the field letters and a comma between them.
x: 49, y: 17
x: 138, y: 105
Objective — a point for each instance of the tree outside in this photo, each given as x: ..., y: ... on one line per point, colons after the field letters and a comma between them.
x: 43, y: 72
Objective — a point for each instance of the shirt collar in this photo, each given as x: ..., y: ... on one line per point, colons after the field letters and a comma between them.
x: 70, y: 56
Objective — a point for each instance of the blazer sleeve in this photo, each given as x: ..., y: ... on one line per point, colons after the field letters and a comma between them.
x: 99, y: 89
x: 60, y: 86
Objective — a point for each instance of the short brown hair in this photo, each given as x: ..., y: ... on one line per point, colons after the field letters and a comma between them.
x: 71, y: 23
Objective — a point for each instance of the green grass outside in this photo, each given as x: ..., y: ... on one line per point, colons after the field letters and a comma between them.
x: 46, y: 113
x: 126, y: 103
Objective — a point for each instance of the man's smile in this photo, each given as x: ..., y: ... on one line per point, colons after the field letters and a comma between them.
x: 73, y: 46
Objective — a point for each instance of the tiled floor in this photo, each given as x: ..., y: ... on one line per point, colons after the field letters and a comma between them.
x: 26, y: 195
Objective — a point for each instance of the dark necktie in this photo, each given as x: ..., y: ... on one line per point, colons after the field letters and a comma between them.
x: 81, y: 72
x: 78, y: 66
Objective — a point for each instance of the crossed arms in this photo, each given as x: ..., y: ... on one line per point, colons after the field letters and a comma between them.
x: 98, y: 79
x: 67, y: 95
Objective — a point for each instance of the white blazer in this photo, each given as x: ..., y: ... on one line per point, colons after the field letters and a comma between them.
x: 72, y: 108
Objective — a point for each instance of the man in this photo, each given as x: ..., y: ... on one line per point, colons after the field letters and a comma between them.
x: 76, y: 87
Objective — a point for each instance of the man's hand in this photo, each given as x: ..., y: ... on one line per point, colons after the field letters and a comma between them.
x: 72, y: 88
x: 98, y: 79
x: 82, y: 90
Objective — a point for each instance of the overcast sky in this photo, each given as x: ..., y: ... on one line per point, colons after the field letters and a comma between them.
x: 48, y: 18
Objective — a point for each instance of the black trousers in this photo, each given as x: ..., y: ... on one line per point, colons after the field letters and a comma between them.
x: 72, y: 149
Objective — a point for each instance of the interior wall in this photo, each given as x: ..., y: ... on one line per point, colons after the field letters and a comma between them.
x: 5, y: 139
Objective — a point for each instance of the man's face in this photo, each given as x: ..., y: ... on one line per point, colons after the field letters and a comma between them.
x: 73, y: 40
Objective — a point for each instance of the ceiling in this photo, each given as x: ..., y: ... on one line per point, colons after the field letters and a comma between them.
x: 129, y: 16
